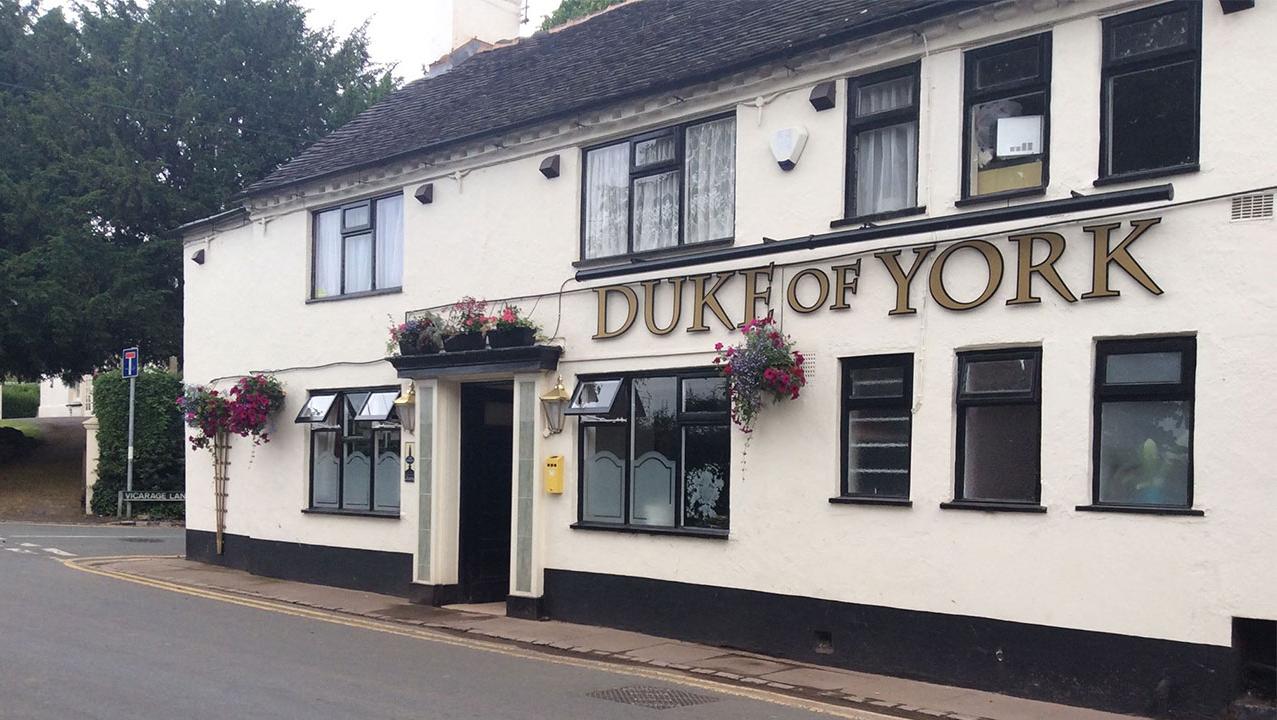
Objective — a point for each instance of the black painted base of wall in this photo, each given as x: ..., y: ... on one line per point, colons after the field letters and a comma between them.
x: 376, y: 571
x: 1117, y: 673
x: 525, y: 608
x: 435, y: 595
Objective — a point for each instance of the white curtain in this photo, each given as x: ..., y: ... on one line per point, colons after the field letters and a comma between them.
x: 887, y: 169
x: 884, y: 96
x: 711, y: 181
x: 607, y: 200
x: 328, y: 254
x: 656, y: 211
x: 389, y: 230
x: 358, y: 263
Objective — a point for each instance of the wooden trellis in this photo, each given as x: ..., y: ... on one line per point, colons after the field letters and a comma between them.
x: 221, y: 462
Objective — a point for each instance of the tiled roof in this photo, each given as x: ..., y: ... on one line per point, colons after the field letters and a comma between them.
x: 634, y: 49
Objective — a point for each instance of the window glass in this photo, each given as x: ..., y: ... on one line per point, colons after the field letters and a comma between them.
x: 877, y: 382
x: 316, y: 408
x: 607, y: 201
x: 390, y: 242
x: 594, y: 397
x: 878, y: 452
x: 1144, y: 452
x: 1142, y: 368
x: 711, y: 181
x: 706, y: 461
x: 654, y: 151
x: 887, y: 168
x: 603, y: 473
x: 1007, y: 143
x: 386, y: 471
x: 1000, y: 453
x: 355, y: 402
x: 356, y: 471
x: 656, y: 200
x: 355, y: 217
x: 999, y: 376
x: 705, y: 395
x: 1149, y: 35
x: 325, y: 470
x: 654, y: 451
x: 1152, y: 121
x: 378, y: 406
x: 327, y: 254
x: 1008, y: 67
x: 358, y: 263
x: 881, y: 97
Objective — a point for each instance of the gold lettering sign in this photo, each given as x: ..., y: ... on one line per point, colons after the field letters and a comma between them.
x: 811, y: 289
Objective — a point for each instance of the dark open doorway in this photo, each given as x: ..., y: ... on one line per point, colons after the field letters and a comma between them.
x: 487, y: 449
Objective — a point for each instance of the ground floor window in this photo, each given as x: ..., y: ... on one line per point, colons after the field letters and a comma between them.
x: 1143, y: 445
x: 655, y: 451
x: 999, y: 427
x: 354, y: 450
x: 877, y: 399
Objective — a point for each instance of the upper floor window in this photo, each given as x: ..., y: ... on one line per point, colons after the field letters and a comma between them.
x: 655, y: 451
x: 358, y: 248
x: 1150, y: 95
x: 1144, y: 423
x: 660, y: 190
x: 1006, y: 118
x: 999, y: 429
x: 883, y: 142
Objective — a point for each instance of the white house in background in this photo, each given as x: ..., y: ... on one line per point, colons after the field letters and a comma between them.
x: 1026, y: 246
x: 58, y: 399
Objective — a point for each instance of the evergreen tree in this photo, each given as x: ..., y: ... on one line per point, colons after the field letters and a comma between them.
x: 570, y: 10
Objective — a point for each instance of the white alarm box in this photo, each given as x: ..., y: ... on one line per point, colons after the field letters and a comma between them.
x: 1019, y: 136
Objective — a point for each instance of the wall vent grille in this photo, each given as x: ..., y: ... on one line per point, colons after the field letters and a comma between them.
x: 809, y: 367
x: 1252, y: 207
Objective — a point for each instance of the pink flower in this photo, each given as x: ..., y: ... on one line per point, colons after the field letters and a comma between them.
x: 718, y: 346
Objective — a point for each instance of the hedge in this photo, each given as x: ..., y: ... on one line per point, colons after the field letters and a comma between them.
x: 159, y: 453
x: 21, y: 400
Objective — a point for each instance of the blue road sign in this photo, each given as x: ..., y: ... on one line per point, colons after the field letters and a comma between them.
x: 129, y: 362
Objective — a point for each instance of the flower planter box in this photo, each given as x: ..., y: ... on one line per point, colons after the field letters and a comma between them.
x: 512, y: 337
x: 413, y: 346
x: 462, y: 343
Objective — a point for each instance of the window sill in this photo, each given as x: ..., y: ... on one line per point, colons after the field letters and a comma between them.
x: 651, y: 530
x: 637, y: 259
x: 992, y: 506
x: 870, y: 500
x: 1146, y: 174
x: 351, y: 513
x: 875, y: 217
x: 352, y: 296
x: 1141, y: 510
x: 1000, y: 196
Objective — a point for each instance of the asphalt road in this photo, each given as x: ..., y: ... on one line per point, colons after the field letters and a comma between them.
x: 78, y: 646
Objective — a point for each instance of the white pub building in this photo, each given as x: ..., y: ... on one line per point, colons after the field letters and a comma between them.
x: 1025, y: 246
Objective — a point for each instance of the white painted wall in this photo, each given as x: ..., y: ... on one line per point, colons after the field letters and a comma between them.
x: 505, y: 231
x: 57, y: 399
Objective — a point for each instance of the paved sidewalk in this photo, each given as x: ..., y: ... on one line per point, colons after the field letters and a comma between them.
x: 875, y: 693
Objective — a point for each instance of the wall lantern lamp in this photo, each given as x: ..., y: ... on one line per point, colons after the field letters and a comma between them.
x: 787, y: 146
x: 554, y: 403
x: 406, y: 407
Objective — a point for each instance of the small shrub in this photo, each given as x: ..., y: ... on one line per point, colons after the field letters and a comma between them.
x: 21, y: 400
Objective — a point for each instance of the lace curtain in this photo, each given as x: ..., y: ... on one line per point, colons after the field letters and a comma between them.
x: 607, y: 199
x: 886, y: 158
x: 711, y: 181
x: 390, y: 242
x: 328, y: 254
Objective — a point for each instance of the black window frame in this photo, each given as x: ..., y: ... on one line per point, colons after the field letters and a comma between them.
x: 625, y: 417
x: 1110, y: 67
x: 972, y: 96
x: 857, y: 125
x: 369, y: 228
x: 904, y: 362
x: 337, y: 428
x: 1103, y: 391
x: 679, y: 133
x: 964, y: 400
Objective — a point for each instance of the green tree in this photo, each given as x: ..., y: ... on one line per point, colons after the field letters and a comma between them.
x: 569, y: 10
x: 126, y: 121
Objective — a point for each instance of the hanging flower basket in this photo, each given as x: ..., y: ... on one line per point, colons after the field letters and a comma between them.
x: 763, y: 368
x: 244, y: 410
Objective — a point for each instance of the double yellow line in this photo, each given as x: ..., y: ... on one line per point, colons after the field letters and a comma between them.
x: 88, y: 565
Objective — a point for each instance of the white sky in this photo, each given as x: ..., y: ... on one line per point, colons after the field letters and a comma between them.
x: 411, y: 33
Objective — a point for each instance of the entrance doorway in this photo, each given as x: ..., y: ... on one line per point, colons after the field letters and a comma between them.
x: 487, y: 450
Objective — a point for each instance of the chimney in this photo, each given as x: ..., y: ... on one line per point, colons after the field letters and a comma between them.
x: 476, y: 26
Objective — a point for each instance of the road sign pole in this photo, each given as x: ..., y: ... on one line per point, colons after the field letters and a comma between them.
x: 128, y: 478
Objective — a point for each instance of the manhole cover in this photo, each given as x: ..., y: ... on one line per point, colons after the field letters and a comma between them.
x: 657, y: 698
x: 141, y: 539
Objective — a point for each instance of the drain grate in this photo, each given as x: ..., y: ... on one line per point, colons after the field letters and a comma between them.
x: 656, y: 698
